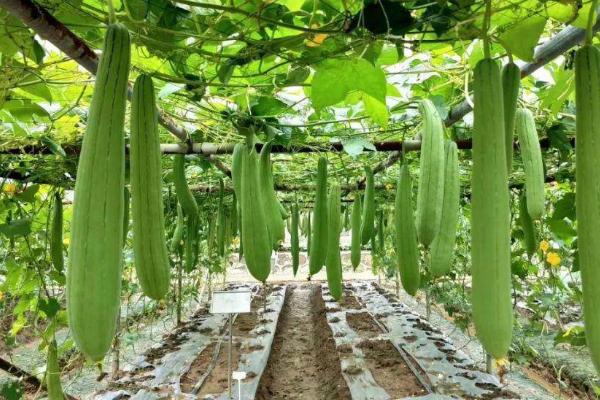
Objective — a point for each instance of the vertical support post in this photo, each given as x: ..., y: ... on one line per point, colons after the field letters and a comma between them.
x: 115, y: 365
x: 229, y: 356
x: 489, y: 367
x: 179, y: 289
x: 428, y: 304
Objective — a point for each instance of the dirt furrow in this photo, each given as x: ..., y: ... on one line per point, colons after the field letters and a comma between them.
x: 303, y: 362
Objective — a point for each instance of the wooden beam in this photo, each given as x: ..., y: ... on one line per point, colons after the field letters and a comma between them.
x: 209, y: 149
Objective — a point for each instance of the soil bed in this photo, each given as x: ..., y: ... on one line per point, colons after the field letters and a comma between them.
x: 304, y: 363
x: 389, y: 369
x: 216, y: 381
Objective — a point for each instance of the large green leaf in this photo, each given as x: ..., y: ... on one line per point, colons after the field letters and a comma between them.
x: 17, y: 227
x: 337, y: 78
x: 521, y: 38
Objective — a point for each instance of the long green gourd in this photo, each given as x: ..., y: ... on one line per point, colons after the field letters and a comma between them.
x: 529, y: 234
x: 490, y: 215
x: 442, y: 248
x: 587, y: 153
x: 53, y: 385
x: 221, y: 220
x: 511, y: 83
x: 210, y: 235
x: 333, y: 262
x: 236, y: 176
x: 150, y: 255
x: 346, y: 218
x: 380, y: 232
x: 368, y: 217
x: 431, y: 174
x: 355, y: 244
x: 184, y: 195
x: 273, y: 212
x: 294, y: 239
x: 288, y: 225
x: 190, y: 242
x: 308, y: 233
x: 282, y: 211
x: 56, y: 234
x: 531, y: 153
x: 318, y: 249
x: 255, y: 233
x: 175, y: 246
x: 234, y: 216
x: 407, y: 248
x: 94, y: 275
x: 126, y: 207
x: 236, y: 168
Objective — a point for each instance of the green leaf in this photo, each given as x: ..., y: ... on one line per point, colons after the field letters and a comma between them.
x: 389, y: 56
x: 574, y: 335
x: 28, y: 195
x: 354, y: 146
x: 137, y: 9
x: 24, y: 110
x: 376, y: 110
x: 50, y: 306
x: 225, y: 71
x: 38, y: 52
x: 373, y: 51
x: 336, y: 78
x: 522, y: 37
x: 11, y: 390
x: 169, y: 89
x: 18, y: 227
x: 565, y: 207
x: 557, y: 134
x: 267, y: 106
x: 54, y: 146
x: 554, y: 96
x: 297, y: 75
x: 39, y: 90
x: 562, y: 229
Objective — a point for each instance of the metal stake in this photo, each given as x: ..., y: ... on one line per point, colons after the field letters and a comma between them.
x: 229, y: 361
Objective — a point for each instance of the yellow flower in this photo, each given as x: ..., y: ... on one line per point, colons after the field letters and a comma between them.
x: 1, y: 296
x: 544, y: 246
x: 66, y: 241
x: 389, y: 187
x: 501, y: 362
x: 553, y: 259
x: 10, y: 188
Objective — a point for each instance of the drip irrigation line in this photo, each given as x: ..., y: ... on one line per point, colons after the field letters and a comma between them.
x: 415, y: 367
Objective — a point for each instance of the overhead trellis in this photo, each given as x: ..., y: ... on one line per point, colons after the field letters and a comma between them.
x: 287, y: 46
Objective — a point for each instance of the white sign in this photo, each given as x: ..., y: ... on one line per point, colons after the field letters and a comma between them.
x: 238, y: 375
x: 231, y: 302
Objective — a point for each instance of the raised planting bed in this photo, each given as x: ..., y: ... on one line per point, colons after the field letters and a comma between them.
x: 191, y: 362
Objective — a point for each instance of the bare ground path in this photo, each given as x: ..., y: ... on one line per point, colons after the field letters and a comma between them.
x: 303, y: 362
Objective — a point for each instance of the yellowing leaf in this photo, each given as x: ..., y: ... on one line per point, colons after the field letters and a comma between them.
x: 316, y: 40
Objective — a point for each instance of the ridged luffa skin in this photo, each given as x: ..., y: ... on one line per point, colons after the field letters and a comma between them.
x: 94, y: 275
x: 150, y: 254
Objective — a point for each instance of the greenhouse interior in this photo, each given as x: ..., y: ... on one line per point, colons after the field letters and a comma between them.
x: 299, y: 199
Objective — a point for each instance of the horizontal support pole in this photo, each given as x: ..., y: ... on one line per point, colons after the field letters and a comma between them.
x: 214, y: 149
